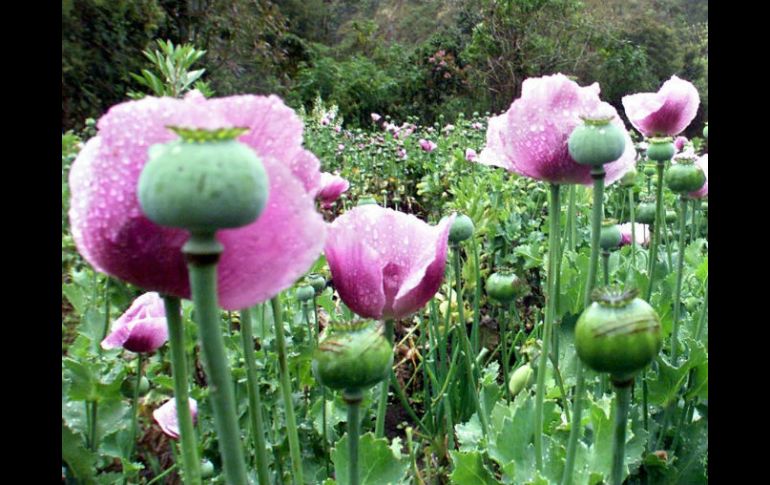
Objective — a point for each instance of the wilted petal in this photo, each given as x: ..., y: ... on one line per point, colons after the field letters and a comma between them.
x: 665, y: 113
x: 166, y: 417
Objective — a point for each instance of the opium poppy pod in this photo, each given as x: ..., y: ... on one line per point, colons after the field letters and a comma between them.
x: 618, y: 334
x: 259, y: 259
x: 531, y: 138
x: 352, y: 357
x: 142, y: 328
x: 386, y: 264
x: 703, y: 192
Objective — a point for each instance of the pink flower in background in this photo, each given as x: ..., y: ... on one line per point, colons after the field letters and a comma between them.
x: 703, y: 192
x: 477, y: 126
x: 376, y: 117
x: 324, y: 121
x: 386, y: 264
x: 449, y: 128
x: 665, y: 113
x: 167, y: 419
x: 470, y: 154
x: 402, y: 154
x: 259, y: 260
x: 142, y: 328
x: 338, y: 128
x: 427, y: 145
x: 332, y: 186
x: 680, y: 142
x: 531, y: 137
x: 340, y: 147
x: 642, y: 233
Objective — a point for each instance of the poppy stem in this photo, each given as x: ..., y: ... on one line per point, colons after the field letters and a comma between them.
x: 353, y: 400
x: 135, y: 404
x: 622, y: 401
x: 659, y: 221
x: 678, y: 287
x: 633, y: 233
x: 288, y: 404
x: 382, y: 404
x: 190, y: 460
x: 202, y: 252
x: 553, y: 255
x: 255, y: 404
x: 598, y: 174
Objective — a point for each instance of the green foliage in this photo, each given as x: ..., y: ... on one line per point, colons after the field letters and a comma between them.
x: 378, y: 463
x: 172, y: 76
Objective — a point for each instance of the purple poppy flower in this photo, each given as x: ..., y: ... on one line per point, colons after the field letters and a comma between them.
x: 680, y: 142
x: 386, y: 264
x: 642, y: 233
x: 259, y: 260
x: 703, y: 192
x: 665, y: 113
x: 142, y: 328
x: 332, y: 186
x: 427, y: 145
x: 167, y: 419
x: 531, y: 137
x: 470, y: 154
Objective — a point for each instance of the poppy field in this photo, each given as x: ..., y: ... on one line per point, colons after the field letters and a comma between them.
x: 253, y: 294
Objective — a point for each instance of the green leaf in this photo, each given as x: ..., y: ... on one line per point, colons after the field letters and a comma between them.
x: 665, y: 385
x: 469, y: 434
x: 75, y: 296
x: 469, y: 469
x: 82, y: 381
x: 378, y: 465
x: 80, y: 461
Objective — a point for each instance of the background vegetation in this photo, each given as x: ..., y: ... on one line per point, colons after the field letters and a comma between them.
x: 423, y: 58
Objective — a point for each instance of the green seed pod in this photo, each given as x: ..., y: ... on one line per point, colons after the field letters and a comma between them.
x: 318, y: 283
x: 129, y: 384
x: 353, y: 357
x: 462, y: 229
x: 520, y: 379
x: 207, y: 469
x: 645, y: 213
x: 660, y: 149
x: 596, y: 142
x: 367, y: 201
x: 305, y: 293
x: 618, y: 334
x: 685, y: 177
x: 610, y: 236
x: 203, y: 182
x: 670, y: 216
x: 629, y: 178
x: 650, y: 171
x: 706, y: 131
x: 505, y: 287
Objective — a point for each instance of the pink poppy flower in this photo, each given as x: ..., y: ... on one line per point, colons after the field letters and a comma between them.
x: 376, y: 117
x: 470, y: 154
x: 665, y: 113
x: 386, y: 264
x: 402, y: 154
x: 142, y: 328
x: 477, y: 126
x: 332, y: 186
x: 680, y: 142
x: 259, y: 260
x: 427, y: 145
x: 167, y: 419
x: 703, y: 192
x: 642, y: 233
x: 531, y: 137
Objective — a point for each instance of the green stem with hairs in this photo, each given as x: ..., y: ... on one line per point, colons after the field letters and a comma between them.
x: 597, y: 214
x: 382, y: 404
x: 633, y: 232
x: 553, y: 254
x: 288, y: 403
x: 465, y: 341
x: 659, y: 221
x: 190, y: 458
x: 255, y: 404
x: 202, y: 252
x: 135, y: 404
x: 353, y: 400
x: 623, y: 400
x: 678, y: 288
